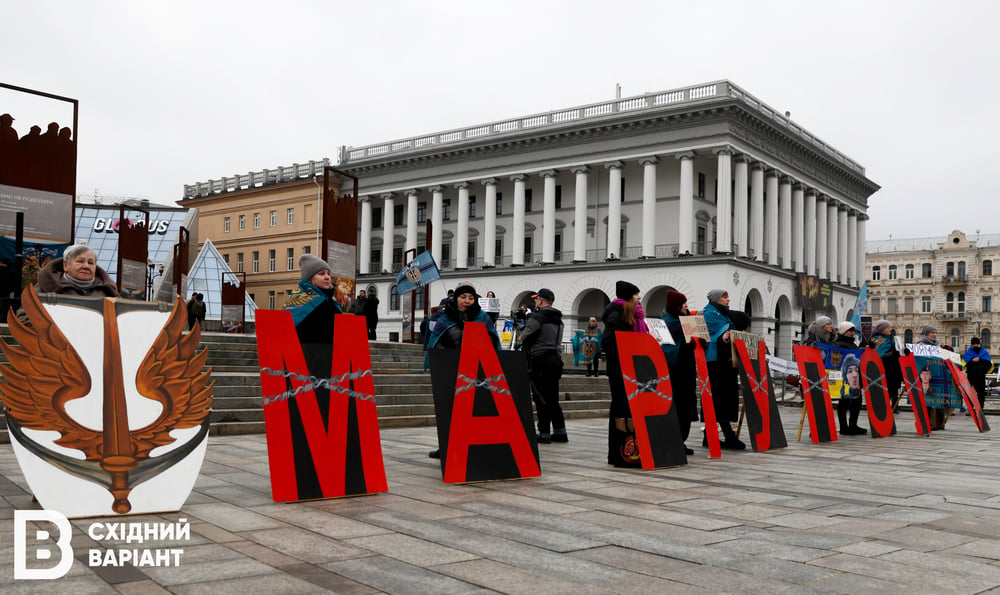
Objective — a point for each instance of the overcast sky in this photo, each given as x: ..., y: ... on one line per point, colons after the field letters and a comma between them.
x: 176, y: 92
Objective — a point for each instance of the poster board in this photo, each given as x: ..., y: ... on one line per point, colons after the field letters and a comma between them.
x: 650, y: 400
x: 482, y: 405
x: 323, y: 438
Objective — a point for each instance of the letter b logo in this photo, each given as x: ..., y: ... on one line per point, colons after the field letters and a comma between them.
x: 21, y: 570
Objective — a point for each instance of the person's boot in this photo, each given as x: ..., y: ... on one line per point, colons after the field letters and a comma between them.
x: 559, y: 435
x: 845, y: 428
x: 731, y: 442
x: 855, y: 412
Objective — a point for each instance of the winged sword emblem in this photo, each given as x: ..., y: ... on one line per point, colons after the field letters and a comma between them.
x: 45, y: 373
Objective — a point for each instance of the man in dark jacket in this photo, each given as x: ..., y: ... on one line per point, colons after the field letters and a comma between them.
x: 371, y: 314
x: 978, y: 364
x: 542, y: 343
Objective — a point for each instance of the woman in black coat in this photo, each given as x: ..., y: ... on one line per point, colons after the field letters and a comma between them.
x: 624, y: 313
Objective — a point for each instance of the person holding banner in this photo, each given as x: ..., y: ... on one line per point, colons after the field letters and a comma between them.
x: 820, y: 331
x: 624, y: 313
x: 846, y: 336
x: 681, y: 363
x: 978, y: 364
x: 722, y: 375
x: 884, y: 342
x: 447, y: 325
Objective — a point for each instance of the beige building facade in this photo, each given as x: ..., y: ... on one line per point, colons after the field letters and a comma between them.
x: 951, y: 283
x: 261, y: 223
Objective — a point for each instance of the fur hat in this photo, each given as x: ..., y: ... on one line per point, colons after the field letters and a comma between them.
x: 715, y: 294
x: 846, y: 326
x: 465, y: 287
x: 675, y: 299
x: 823, y: 321
x: 310, y: 265
x: 625, y: 290
x: 928, y: 330
x: 880, y: 326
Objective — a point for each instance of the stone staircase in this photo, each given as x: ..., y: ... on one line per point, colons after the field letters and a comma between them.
x: 402, y: 389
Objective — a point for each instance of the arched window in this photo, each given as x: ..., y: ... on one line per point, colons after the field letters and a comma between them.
x: 909, y: 271
x: 393, y: 298
x: 926, y: 271
x: 876, y: 273
x: 892, y: 272
x: 949, y: 269
x: 949, y: 302
x: 961, y: 270
x: 961, y: 302
x: 908, y: 336
x: 987, y: 268
x: 985, y: 338
x: 955, y: 340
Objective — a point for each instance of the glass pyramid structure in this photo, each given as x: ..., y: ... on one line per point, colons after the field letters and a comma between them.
x: 205, y: 277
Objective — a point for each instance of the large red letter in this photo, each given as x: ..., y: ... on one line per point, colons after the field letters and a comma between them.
x: 816, y: 392
x: 468, y: 430
x: 876, y: 395
x: 651, y: 400
x: 285, y: 376
x: 707, y: 404
x: 969, y: 395
x: 762, y: 410
x: 915, y: 392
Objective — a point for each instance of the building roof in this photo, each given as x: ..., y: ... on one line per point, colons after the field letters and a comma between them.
x: 932, y: 243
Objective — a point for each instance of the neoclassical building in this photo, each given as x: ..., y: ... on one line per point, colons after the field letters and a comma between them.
x: 690, y: 189
x: 947, y: 282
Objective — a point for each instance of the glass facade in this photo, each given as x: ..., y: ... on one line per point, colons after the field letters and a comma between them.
x: 205, y: 277
x: 97, y: 226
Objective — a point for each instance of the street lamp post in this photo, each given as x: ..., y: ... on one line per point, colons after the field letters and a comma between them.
x: 154, y: 272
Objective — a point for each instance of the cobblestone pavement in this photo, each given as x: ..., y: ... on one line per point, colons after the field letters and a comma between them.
x: 901, y: 514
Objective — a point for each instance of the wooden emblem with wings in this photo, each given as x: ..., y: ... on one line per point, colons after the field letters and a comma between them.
x: 45, y: 373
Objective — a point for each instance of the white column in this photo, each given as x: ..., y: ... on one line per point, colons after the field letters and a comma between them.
x: 809, y: 237
x: 549, y: 216
x: 798, y: 228
x: 648, y: 206
x: 740, y: 222
x: 842, y: 245
x: 862, y: 219
x: 437, y: 222
x: 517, y: 259
x: 614, y: 209
x: 756, y: 232
x: 821, y: 236
x: 771, y: 217
x: 685, y: 207
x: 490, y: 223
x: 580, y: 214
x: 724, y: 203
x: 462, y: 230
x: 388, y: 230
x: 852, y: 248
x: 365, y: 244
x: 831, y: 239
x: 411, y: 221
x: 785, y: 222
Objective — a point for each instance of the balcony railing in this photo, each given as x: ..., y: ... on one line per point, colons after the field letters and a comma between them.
x: 954, y: 280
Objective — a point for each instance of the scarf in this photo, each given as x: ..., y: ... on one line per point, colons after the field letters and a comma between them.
x: 79, y: 283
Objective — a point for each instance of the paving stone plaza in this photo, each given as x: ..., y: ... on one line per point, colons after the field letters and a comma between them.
x: 902, y: 514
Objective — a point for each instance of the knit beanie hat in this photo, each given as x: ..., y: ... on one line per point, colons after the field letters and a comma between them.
x: 310, y: 265
x: 715, y: 294
x: 975, y: 341
x: 625, y: 290
x: 881, y: 325
x: 928, y: 330
x: 846, y: 326
x: 823, y: 321
x: 465, y: 287
x: 675, y: 299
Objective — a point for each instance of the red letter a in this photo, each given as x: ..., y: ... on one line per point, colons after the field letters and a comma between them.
x: 467, y: 430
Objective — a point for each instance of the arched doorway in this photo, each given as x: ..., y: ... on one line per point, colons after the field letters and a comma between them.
x: 589, y: 303
x: 655, y: 302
